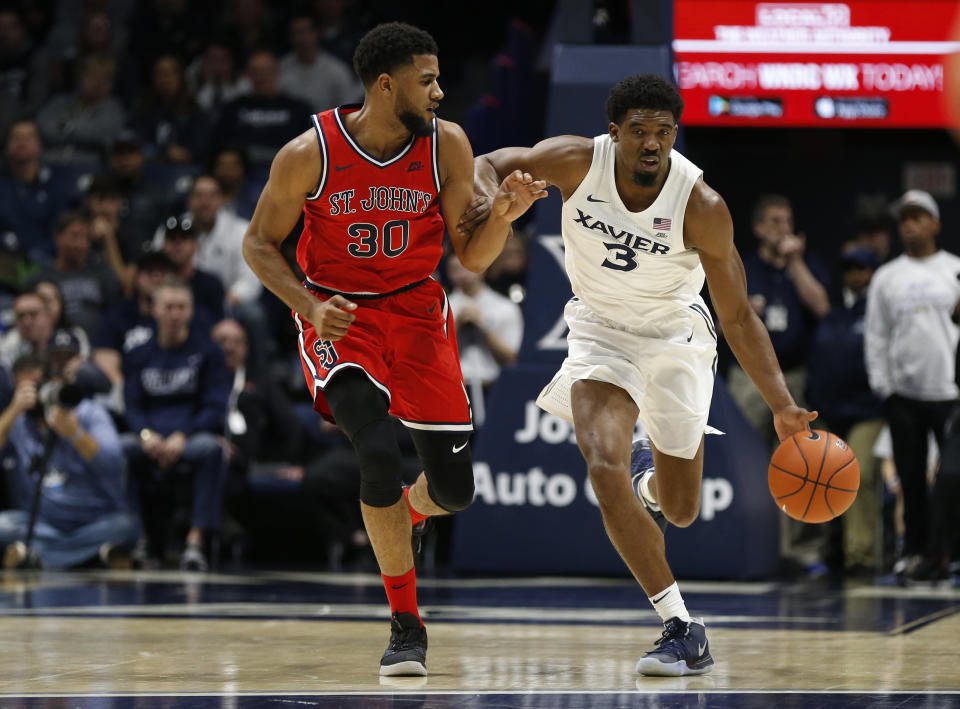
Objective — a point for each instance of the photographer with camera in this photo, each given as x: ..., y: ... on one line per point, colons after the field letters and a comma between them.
x: 67, y: 477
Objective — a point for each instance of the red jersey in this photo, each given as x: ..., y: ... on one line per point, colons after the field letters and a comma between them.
x: 371, y: 226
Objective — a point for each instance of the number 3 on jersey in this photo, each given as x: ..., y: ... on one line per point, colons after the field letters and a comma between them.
x: 623, y: 258
x: 391, y: 241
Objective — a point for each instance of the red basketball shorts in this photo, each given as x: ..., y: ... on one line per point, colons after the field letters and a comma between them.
x: 407, y: 346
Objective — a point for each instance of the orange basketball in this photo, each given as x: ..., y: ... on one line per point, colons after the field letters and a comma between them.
x: 813, y: 476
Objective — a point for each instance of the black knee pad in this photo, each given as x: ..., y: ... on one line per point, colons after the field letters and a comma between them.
x: 380, y: 464
x: 448, y: 466
x: 362, y: 413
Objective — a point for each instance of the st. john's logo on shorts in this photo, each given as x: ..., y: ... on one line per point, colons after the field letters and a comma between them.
x: 326, y: 353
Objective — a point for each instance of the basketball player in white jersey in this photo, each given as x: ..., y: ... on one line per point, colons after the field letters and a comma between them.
x: 641, y: 230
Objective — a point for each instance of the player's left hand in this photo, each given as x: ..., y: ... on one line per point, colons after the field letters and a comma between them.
x: 517, y: 192
x: 792, y: 419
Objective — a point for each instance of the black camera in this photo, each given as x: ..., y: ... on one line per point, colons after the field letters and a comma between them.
x: 49, y: 394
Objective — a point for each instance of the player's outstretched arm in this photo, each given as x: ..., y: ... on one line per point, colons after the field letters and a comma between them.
x: 562, y: 162
x: 709, y: 229
x: 294, y: 175
x: 512, y: 197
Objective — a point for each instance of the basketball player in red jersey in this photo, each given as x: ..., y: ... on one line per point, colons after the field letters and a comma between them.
x: 376, y: 183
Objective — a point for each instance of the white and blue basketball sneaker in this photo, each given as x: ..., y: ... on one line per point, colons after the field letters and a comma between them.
x: 681, y: 650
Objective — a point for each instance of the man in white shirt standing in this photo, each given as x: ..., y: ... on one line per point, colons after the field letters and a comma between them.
x: 910, y: 348
x: 489, y: 331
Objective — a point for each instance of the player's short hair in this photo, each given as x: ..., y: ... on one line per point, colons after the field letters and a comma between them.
x: 643, y: 91
x: 765, y: 202
x: 388, y: 46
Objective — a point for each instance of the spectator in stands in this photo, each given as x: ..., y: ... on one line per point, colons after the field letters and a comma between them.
x: 79, y: 126
x: 231, y: 166
x: 168, y: 119
x: 248, y: 25
x: 69, y: 45
x: 22, y: 88
x: 788, y: 289
x: 508, y: 273
x: 32, y: 332
x: 88, y: 288
x: 76, y: 451
x: 129, y: 323
x: 261, y: 423
x: 32, y: 194
x: 49, y: 292
x: 180, y: 244
x: 219, y: 241
x: 266, y: 119
x: 213, y: 78
x: 145, y: 205
x: 175, y: 27
x: 838, y: 388
x: 340, y: 30
x: 176, y: 388
x: 911, y: 346
x: 489, y: 331
x: 310, y: 73
x: 112, y: 242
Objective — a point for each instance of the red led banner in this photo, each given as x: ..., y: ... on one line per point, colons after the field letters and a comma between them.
x: 860, y: 63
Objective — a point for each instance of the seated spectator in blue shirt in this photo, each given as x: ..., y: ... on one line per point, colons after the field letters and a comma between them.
x: 129, y: 323
x: 176, y: 387
x: 74, y: 447
x: 32, y: 194
x: 266, y: 119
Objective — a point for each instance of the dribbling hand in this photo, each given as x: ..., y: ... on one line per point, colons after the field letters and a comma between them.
x: 517, y: 192
x: 792, y: 419
x: 332, y: 317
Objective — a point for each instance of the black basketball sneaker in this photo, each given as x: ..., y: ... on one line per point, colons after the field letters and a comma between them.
x: 406, y: 655
x: 681, y: 650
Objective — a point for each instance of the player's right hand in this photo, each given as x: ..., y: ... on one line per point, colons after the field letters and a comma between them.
x: 332, y: 317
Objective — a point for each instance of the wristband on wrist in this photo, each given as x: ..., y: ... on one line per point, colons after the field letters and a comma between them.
x: 75, y: 438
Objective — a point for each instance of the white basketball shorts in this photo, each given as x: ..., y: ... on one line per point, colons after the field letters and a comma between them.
x: 667, y: 368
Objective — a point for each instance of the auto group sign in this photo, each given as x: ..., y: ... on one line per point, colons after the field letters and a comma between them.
x: 869, y: 63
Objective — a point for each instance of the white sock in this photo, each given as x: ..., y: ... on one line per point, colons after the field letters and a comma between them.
x: 644, y: 488
x: 669, y: 604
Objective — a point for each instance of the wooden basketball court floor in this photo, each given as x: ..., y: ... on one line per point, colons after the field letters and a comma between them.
x: 284, y: 639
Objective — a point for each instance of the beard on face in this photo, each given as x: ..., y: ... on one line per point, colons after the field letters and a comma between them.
x: 415, y: 123
x: 645, y: 179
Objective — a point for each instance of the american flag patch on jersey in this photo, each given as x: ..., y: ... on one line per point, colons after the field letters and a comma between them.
x: 661, y: 224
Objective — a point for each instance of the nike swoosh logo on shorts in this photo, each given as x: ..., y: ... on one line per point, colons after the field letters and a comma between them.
x: 457, y: 449
x: 591, y: 198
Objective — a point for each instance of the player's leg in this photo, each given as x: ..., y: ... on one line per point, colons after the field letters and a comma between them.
x: 446, y: 484
x: 682, y: 648
x: 604, y: 416
x: 361, y: 411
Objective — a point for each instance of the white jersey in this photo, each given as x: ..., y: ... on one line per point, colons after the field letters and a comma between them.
x: 631, y: 267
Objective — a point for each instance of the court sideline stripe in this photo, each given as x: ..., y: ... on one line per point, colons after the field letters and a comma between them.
x: 924, y: 621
